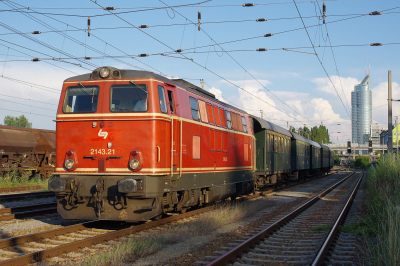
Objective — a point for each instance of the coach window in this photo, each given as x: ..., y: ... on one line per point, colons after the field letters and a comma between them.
x: 171, y: 102
x: 210, y: 112
x: 228, y: 119
x: 203, y: 111
x: 244, y: 124
x: 195, y: 108
x: 129, y: 98
x: 81, y: 99
x: 161, y: 96
x: 217, y: 116
x: 283, y: 145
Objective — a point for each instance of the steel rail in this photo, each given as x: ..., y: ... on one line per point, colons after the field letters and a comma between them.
x: 17, y: 189
x: 19, y: 196
x: 27, y: 211
x: 61, y: 249
x: 232, y: 254
x: 328, y: 242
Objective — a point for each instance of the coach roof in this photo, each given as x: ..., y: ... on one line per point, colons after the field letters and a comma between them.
x: 301, y: 138
x: 270, y: 126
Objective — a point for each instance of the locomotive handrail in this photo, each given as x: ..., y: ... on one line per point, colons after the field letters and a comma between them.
x: 158, y: 154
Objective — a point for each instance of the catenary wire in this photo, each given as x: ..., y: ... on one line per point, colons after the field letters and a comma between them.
x: 86, y: 46
x: 15, y: 97
x: 26, y: 112
x: 320, y: 59
x: 334, y: 60
x: 140, y: 10
x: 188, y: 58
x: 202, y: 29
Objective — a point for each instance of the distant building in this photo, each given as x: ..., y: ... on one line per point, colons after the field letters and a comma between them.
x: 361, y: 111
x: 396, y: 137
x: 384, y: 137
x: 374, y: 134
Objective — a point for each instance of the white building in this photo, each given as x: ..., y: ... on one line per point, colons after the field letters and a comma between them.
x: 375, y: 134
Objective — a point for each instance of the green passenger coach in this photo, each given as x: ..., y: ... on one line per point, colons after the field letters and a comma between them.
x: 301, y: 162
x: 273, y: 159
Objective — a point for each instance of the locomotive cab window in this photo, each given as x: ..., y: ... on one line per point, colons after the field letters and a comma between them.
x: 129, y: 98
x: 161, y: 96
x: 81, y: 99
x: 171, y: 102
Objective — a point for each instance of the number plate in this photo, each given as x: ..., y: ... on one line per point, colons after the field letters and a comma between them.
x: 102, y: 151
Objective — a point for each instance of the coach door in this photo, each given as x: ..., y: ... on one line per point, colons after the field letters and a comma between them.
x: 176, y: 129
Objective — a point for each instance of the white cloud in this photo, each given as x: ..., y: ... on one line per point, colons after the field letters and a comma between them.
x: 217, y: 93
x: 342, y: 84
x: 379, y: 102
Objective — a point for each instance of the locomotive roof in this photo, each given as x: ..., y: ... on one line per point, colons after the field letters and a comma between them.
x: 137, y: 74
x: 299, y: 137
x: 270, y: 126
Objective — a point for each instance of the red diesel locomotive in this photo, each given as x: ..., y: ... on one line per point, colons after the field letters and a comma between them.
x: 132, y: 145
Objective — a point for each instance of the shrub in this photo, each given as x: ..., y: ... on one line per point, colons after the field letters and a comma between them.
x: 362, y: 161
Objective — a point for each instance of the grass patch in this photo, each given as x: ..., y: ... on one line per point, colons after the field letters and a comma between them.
x: 12, y: 178
x: 383, y: 221
x: 132, y: 248
x: 361, y: 228
x: 322, y: 228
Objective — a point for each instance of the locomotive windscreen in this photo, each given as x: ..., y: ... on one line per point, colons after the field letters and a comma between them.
x: 129, y: 98
x: 81, y: 100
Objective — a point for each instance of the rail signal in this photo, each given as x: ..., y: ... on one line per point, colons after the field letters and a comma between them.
x: 370, y: 146
x: 349, y: 147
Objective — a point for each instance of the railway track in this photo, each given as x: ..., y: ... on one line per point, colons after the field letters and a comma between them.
x: 27, y: 211
x: 293, y: 239
x: 52, y: 243
x: 22, y: 196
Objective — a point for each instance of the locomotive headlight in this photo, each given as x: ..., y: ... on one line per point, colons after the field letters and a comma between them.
x: 134, y: 164
x: 69, y: 164
x: 104, y: 72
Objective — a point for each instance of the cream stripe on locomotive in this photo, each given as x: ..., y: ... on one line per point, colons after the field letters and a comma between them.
x: 152, y: 115
x: 154, y: 170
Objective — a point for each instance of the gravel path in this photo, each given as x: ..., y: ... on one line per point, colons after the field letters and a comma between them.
x: 29, y: 201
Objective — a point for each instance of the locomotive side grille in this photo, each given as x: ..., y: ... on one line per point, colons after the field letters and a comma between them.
x: 102, y: 167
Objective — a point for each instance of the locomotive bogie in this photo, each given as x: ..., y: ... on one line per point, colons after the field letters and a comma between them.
x: 83, y: 196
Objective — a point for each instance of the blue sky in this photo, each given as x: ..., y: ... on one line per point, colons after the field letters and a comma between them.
x: 291, y: 87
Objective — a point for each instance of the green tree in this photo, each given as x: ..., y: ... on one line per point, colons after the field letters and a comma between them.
x: 362, y: 161
x: 320, y: 134
x: 305, y: 132
x: 20, y: 121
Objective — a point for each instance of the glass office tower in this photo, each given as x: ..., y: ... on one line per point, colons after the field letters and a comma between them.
x: 361, y: 111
